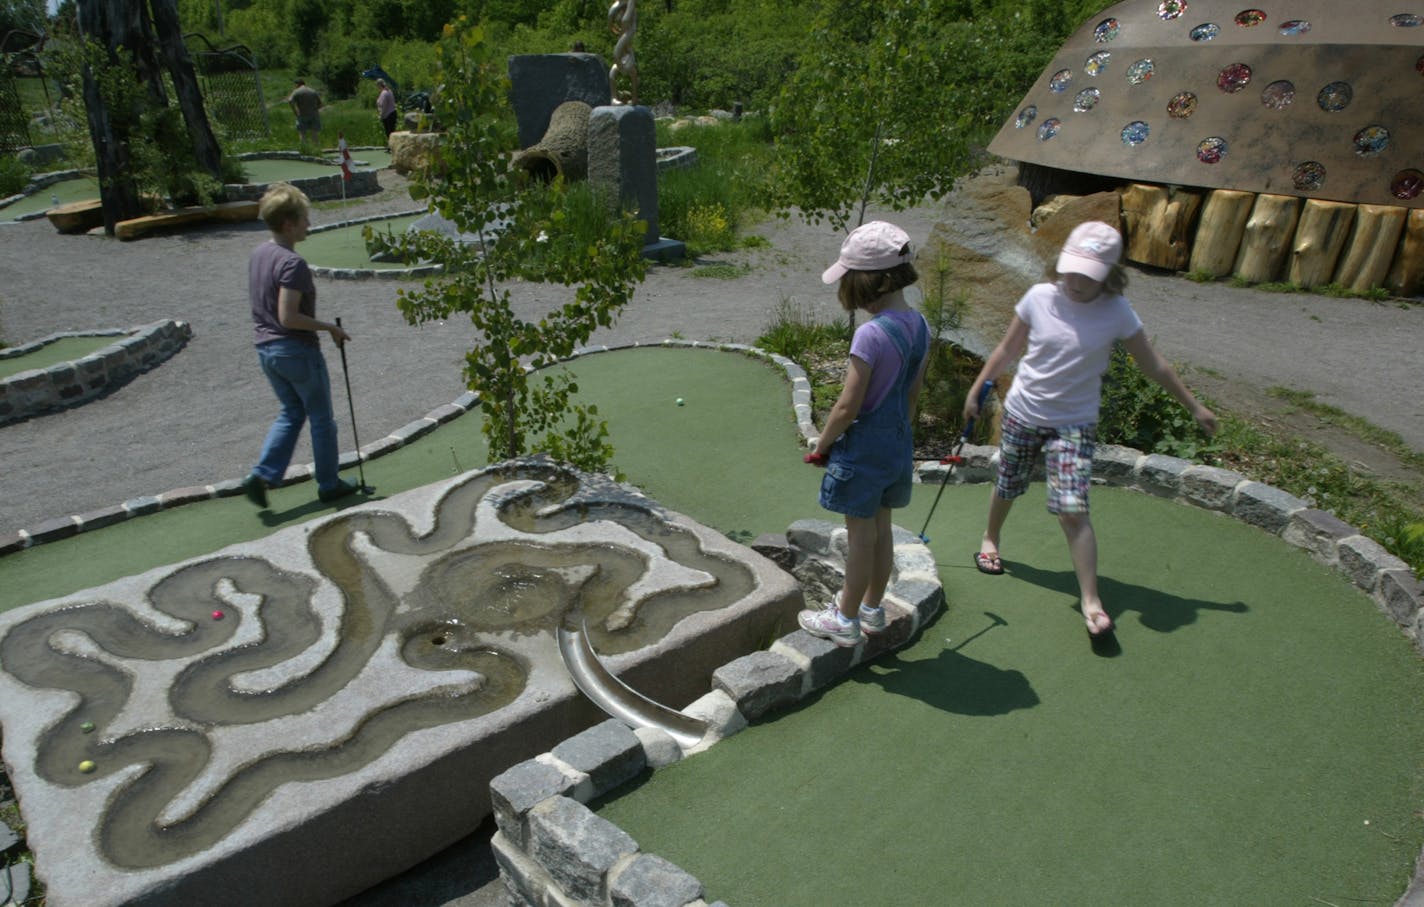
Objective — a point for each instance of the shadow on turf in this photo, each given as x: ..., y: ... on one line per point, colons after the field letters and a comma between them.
x: 1160, y: 611
x: 951, y: 681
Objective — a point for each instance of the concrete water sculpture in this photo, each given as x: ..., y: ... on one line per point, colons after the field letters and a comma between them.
x: 293, y: 719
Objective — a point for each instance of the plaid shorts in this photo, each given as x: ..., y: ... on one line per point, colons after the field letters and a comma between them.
x: 1068, y: 461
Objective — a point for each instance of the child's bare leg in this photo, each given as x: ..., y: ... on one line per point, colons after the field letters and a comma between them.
x: 861, y: 543
x: 1083, y: 548
x: 998, y: 513
x: 883, y: 563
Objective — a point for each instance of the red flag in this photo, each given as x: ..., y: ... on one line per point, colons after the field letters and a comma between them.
x: 345, y: 156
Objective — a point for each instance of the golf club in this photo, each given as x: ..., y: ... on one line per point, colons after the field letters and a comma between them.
x: 954, y: 459
x: 351, y: 406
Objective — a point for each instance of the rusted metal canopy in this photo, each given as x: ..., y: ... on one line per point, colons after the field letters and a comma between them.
x: 1318, y: 99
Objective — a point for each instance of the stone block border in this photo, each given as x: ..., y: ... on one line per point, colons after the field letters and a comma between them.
x: 64, y: 384
x: 39, y: 182
x: 552, y: 849
x: 362, y: 273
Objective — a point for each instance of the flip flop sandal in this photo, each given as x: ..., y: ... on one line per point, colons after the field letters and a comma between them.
x: 988, y: 563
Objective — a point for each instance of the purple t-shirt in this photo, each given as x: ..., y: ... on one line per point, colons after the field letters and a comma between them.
x: 872, y: 346
x: 271, y: 268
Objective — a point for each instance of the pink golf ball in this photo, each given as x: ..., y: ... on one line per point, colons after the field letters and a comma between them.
x: 218, y: 615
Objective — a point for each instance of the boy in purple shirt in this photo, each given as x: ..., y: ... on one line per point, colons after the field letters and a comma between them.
x: 282, y: 294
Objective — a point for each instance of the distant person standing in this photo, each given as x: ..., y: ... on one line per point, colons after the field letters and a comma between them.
x: 306, y: 105
x: 386, y: 108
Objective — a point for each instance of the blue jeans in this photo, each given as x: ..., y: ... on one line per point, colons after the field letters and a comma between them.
x: 297, y: 372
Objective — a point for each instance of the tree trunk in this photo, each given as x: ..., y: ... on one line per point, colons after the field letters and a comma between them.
x: 185, y: 85
x: 1371, y: 247
x: 117, y: 191
x: 1267, y: 241
x: 1319, y: 238
x: 1159, y: 222
x: 1219, y: 234
x: 1406, y: 276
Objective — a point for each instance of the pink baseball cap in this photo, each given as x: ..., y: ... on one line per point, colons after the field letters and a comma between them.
x: 876, y: 246
x: 1091, y: 250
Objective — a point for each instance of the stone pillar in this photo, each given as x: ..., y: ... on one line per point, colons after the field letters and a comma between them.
x: 539, y: 83
x: 623, y: 160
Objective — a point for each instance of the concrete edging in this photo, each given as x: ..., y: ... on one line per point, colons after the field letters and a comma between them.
x: 65, y: 384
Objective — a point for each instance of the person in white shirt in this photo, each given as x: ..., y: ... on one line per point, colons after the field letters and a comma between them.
x: 1064, y: 331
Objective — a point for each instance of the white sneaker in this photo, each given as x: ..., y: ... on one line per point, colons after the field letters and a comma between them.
x: 872, y: 620
x: 827, y: 624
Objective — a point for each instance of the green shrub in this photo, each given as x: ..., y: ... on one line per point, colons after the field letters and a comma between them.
x: 14, y: 176
x: 1138, y: 412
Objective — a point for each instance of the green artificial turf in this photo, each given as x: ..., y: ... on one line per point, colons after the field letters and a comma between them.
x: 71, y: 190
x: 65, y: 349
x: 1260, y: 714
x: 272, y: 170
x: 1256, y: 741
x: 344, y: 247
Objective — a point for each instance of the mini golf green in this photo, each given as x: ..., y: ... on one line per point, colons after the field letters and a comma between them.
x: 272, y: 170
x: 70, y: 190
x: 344, y: 247
x: 1256, y: 742
x: 65, y: 349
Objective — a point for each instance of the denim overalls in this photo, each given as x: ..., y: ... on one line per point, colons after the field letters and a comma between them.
x: 872, y: 465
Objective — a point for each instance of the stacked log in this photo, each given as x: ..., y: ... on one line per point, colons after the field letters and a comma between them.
x: 1321, y: 234
x: 1406, y: 275
x: 1220, y: 231
x: 1159, y: 221
x: 1267, y: 238
x: 1371, y: 247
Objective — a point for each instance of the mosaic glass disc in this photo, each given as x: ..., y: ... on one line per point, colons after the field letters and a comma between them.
x: 1206, y: 31
x: 1211, y: 150
x: 1182, y: 106
x: 1097, y: 63
x: 1278, y: 95
x: 1309, y: 176
x: 1407, y: 184
x: 1248, y: 18
x: 1106, y: 31
x: 1234, y: 78
x: 1335, y: 97
x: 1061, y: 80
x: 1026, y: 116
x: 1049, y: 129
x: 1294, y: 27
x: 1371, y: 140
x: 1086, y: 100
x: 1135, y: 133
x: 1140, y: 71
x: 1406, y: 20
x: 1168, y: 10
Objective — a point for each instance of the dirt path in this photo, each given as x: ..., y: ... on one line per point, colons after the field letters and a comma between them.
x: 199, y: 418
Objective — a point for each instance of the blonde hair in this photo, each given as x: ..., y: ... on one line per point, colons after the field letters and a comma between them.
x: 860, y: 289
x: 282, y: 203
x: 1115, y: 283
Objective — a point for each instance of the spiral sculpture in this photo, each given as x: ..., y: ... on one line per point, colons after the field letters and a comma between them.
x: 623, y: 22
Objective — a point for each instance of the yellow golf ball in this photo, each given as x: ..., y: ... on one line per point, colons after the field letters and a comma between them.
x: 87, y: 766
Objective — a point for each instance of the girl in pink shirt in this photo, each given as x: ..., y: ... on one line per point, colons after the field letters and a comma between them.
x: 1064, y: 331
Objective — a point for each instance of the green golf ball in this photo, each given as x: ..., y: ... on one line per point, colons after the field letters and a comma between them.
x: 679, y: 401
x: 87, y: 727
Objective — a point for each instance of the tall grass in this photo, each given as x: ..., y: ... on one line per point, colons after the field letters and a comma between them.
x: 708, y: 205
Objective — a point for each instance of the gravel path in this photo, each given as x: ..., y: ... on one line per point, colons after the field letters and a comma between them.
x: 200, y: 417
